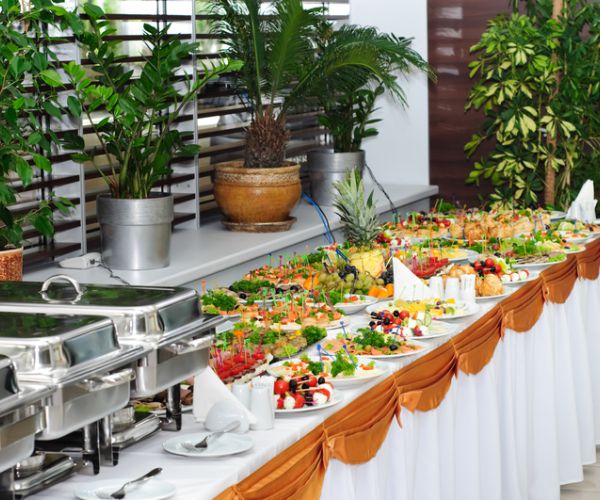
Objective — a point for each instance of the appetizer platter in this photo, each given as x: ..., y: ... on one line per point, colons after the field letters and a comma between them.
x: 421, y: 309
x: 301, y: 393
x: 368, y: 343
x: 341, y: 368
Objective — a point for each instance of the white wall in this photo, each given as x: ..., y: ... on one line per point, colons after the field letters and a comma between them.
x: 400, y: 153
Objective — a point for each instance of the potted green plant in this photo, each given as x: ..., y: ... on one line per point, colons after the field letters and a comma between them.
x: 348, y: 112
x: 28, y: 85
x: 136, y: 136
x: 278, y: 45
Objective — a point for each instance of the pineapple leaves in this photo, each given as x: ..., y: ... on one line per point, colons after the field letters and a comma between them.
x: 357, y: 214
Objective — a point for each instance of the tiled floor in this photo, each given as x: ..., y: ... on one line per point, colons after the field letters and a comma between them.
x: 589, y: 488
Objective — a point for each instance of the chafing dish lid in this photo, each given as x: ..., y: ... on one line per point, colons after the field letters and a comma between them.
x: 148, y: 310
x: 40, y: 342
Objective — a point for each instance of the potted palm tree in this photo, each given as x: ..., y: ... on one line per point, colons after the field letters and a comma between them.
x: 28, y: 84
x: 277, y: 42
x: 136, y: 136
x: 348, y: 111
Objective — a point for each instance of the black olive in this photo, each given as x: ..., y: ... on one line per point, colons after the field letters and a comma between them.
x: 396, y: 313
x: 305, y: 386
x: 393, y: 347
x: 386, y: 321
x: 278, y: 290
x: 379, y: 322
x: 497, y: 254
x: 372, y: 324
x: 294, y: 288
x: 321, y: 380
x: 293, y: 385
x: 242, y: 295
x: 305, y: 377
x: 308, y: 396
x: 492, y: 269
x: 373, y: 315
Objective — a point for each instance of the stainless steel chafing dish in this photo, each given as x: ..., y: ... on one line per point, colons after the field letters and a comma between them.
x: 21, y: 415
x: 79, y: 356
x: 166, y: 319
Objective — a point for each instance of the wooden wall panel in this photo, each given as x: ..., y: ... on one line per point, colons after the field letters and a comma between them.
x: 453, y: 27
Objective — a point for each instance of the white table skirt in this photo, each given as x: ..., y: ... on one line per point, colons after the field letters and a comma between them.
x: 517, y: 430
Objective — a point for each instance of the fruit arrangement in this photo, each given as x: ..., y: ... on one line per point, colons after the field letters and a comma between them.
x: 301, y: 390
x: 422, y: 310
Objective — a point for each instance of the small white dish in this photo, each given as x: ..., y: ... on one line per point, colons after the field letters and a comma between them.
x: 222, y: 446
x: 152, y: 489
x: 332, y: 402
x: 424, y: 347
x: 355, y: 307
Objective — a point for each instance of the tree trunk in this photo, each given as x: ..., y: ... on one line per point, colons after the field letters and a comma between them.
x: 550, y: 181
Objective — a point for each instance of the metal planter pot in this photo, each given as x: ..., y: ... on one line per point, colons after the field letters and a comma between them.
x: 326, y: 167
x: 135, y: 234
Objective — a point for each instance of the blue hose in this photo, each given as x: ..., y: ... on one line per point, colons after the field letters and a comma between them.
x: 330, y: 237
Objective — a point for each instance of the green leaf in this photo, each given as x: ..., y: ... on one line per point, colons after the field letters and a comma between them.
x: 24, y: 171
x: 93, y: 11
x: 42, y: 162
x: 51, y: 78
x: 74, y: 106
x: 52, y: 110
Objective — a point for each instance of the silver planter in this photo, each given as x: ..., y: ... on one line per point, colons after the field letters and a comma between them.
x: 135, y: 234
x: 326, y: 167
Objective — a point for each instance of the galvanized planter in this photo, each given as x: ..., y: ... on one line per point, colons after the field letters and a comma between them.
x: 135, y: 234
x: 326, y: 167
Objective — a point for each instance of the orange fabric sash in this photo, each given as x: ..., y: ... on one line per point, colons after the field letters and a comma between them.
x: 355, y: 433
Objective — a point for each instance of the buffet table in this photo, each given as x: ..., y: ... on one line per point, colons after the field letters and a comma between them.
x: 509, y: 408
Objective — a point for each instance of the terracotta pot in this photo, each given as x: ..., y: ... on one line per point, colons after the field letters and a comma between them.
x: 11, y: 265
x: 256, y: 195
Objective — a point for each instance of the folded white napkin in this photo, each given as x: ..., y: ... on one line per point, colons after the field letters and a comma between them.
x: 584, y: 205
x: 208, y: 390
x: 407, y: 286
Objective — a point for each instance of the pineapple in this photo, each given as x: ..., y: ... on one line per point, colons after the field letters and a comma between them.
x: 360, y: 223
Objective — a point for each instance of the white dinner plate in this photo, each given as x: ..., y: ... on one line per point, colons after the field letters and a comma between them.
x: 494, y: 297
x: 336, y: 399
x: 425, y: 347
x: 539, y: 265
x: 471, y: 255
x: 152, y: 489
x: 277, y: 370
x: 557, y: 215
x: 222, y: 446
x: 468, y: 310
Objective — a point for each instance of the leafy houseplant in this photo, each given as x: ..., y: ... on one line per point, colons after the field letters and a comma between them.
x: 283, y: 69
x: 538, y: 87
x: 136, y: 135
x: 27, y: 88
x: 348, y: 110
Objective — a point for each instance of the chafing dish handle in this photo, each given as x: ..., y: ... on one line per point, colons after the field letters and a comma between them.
x: 60, y: 277
x: 186, y: 346
x: 95, y: 384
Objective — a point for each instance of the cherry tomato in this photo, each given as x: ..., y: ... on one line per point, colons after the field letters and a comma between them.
x: 489, y: 262
x: 281, y: 387
x: 404, y: 315
x: 299, y: 401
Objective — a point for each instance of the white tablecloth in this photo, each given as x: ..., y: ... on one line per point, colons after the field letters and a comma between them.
x: 517, y: 430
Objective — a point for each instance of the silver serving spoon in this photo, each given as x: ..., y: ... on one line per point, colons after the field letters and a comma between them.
x: 120, y: 493
x: 201, y: 445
